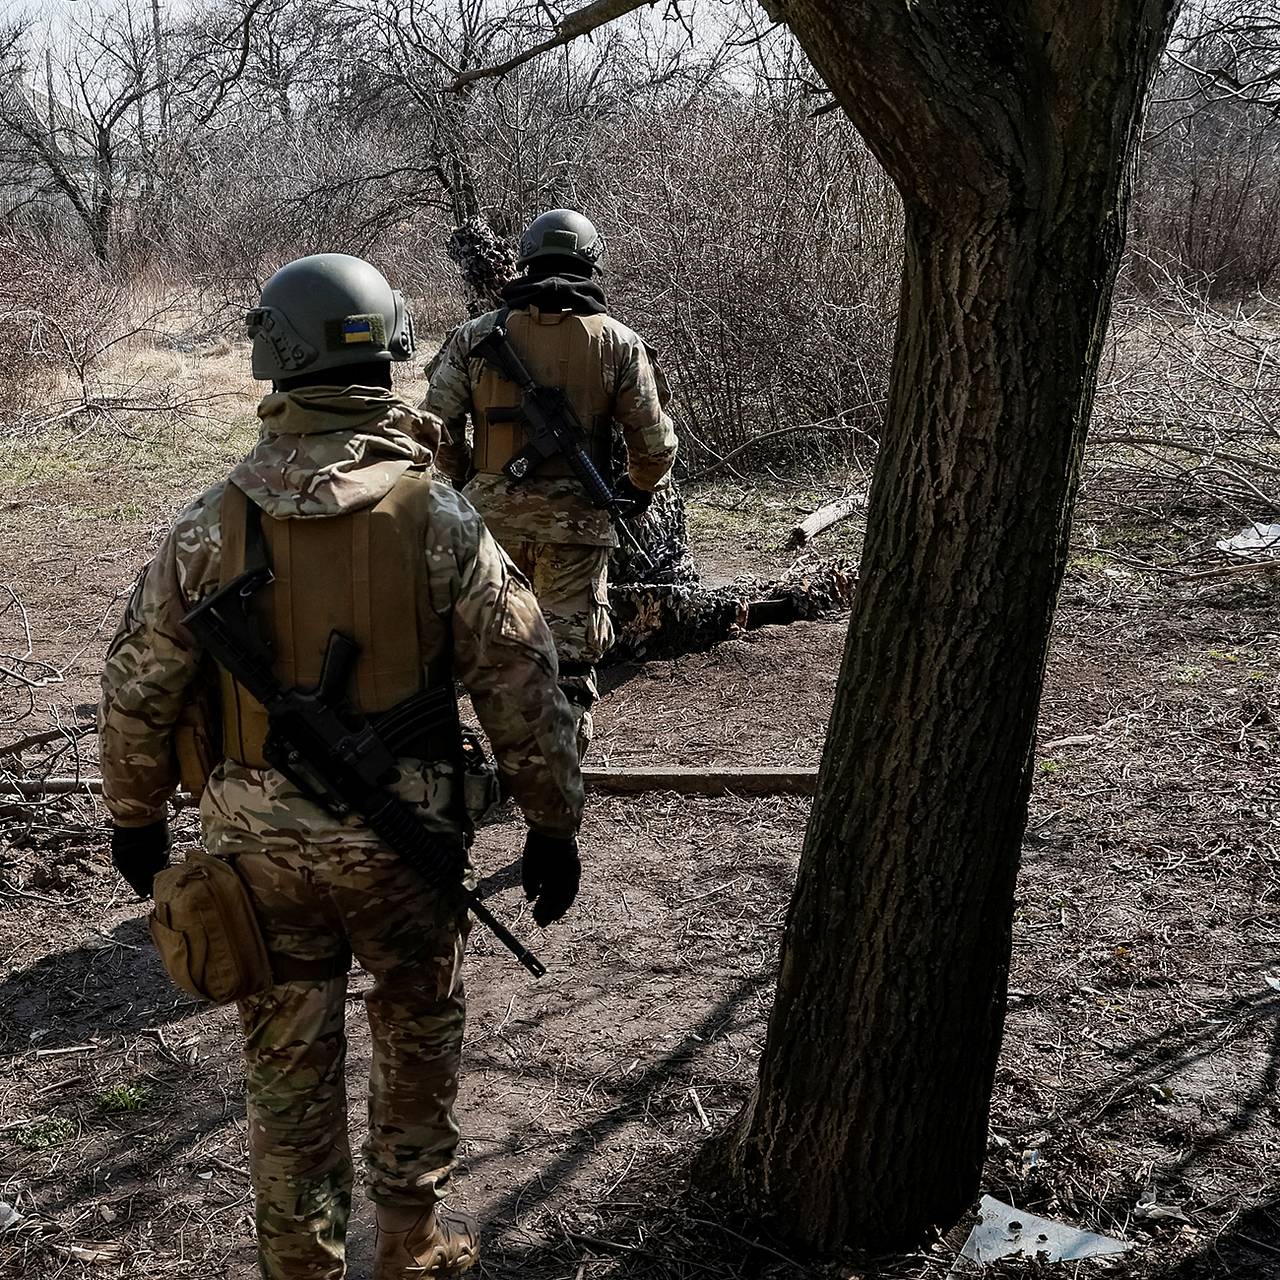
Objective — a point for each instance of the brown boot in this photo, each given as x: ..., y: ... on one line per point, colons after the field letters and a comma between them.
x: 414, y: 1242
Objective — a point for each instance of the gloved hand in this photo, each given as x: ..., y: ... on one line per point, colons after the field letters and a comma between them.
x: 637, y: 497
x: 137, y: 853
x: 453, y: 462
x: 550, y: 872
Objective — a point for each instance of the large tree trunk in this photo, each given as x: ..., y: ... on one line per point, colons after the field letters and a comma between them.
x: 1009, y: 129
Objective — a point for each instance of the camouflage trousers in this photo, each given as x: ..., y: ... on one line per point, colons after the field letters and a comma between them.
x: 313, y: 903
x: 571, y: 581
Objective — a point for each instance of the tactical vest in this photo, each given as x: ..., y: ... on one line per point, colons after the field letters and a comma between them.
x: 363, y: 574
x: 560, y: 349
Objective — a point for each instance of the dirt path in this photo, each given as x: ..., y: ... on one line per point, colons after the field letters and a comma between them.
x: 1143, y: 1039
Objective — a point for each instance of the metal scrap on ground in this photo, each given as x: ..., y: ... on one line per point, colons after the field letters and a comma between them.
x: 1005, y: 1232
x: 1257, y: 540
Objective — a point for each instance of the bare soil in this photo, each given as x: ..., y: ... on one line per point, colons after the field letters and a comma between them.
x: 1137, y: 1090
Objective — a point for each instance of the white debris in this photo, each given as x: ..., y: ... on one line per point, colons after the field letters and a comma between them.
x: 1257, y: 540
x: 1006, y: 1232
x: 1149, y: 1208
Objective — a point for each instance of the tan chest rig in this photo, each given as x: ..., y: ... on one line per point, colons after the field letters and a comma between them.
x: 361, y: 574
x: 560, y: 349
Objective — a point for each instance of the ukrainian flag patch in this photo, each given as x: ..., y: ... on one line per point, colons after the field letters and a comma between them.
x: 368, y: 330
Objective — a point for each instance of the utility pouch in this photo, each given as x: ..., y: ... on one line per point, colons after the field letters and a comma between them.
x: 197, y: 737
x: 481, y: 785
x: 205, y: 929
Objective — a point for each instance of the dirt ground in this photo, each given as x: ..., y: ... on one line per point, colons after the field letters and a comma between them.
x: 1137, y: 1090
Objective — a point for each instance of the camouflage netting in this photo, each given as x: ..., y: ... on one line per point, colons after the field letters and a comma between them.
x: 486, y: 261
x: 662, y: 532
x: 655, y: 621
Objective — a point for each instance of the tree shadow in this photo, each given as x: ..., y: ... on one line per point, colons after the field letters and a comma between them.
x: 1249, y: 1249
x: 112, y: 985
x: 1155, y: 1059
x: 650, y: 1219
x: 1244, y: 1246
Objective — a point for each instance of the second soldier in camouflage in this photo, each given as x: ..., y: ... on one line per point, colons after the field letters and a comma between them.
x: 560, y: 327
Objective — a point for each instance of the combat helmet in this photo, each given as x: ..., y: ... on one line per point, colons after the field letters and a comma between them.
x: 327, y: 311
x: 561, y: 233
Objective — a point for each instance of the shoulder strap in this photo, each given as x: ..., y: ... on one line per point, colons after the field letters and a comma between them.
x: 255, y: 542
x: 244, y: 545
x: 232, y: 521
x: 499, y: 323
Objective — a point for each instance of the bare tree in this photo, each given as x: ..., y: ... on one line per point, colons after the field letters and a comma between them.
x: 1231, y: 49
x: 1010, y: 131
x: 103, y: 133
x: 1211, y: 163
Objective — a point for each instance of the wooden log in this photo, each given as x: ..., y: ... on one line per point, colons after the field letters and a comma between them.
x: 824, y: 518
x: 718, y: 780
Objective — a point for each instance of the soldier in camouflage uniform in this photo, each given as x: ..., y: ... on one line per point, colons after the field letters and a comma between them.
x: 558, y: 323
x: 342, y: 466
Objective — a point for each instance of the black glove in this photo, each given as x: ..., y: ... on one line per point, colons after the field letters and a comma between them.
x: 637, y: 497
x: 137, y: 853
x: 550, y: 872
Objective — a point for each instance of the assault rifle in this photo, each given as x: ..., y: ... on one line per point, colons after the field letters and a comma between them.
x: 335, y: 756
x: 553, y: 428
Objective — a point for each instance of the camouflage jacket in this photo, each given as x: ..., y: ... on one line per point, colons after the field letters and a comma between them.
x: 325, y: 453
x: 552, y: 509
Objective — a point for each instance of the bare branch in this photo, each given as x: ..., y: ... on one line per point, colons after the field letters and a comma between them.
x: 581, y: 22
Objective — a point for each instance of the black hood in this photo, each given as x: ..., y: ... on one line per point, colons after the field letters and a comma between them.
x: 556, y: 293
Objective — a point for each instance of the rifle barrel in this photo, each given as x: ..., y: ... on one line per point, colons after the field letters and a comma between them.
x: 475, y: 904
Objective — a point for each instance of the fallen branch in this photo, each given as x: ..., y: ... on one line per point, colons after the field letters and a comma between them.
x: 1200, y: 575
x: 1186, y: 446
x: 718, y: 781
x: 835, y: 425
x: 70, y: 731
x: 36, y: 788
x: 824, y: 518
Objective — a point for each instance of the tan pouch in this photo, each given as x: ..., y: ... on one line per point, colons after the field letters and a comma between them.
x: 205, y: 929
x: 197, y: 738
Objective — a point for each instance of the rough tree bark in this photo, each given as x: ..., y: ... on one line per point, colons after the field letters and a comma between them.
x: 1010, y: 130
